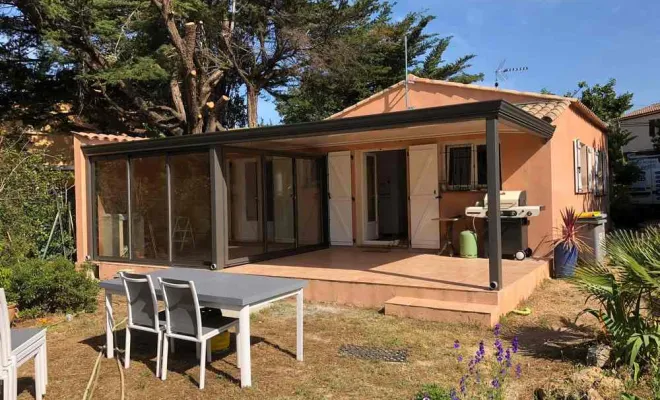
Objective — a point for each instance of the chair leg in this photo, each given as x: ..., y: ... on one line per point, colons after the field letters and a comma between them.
x: 159, y: 347
x: 6, y: 387
x: 163, y: 372
x: 208, y: 351
x: 202, y: 364
x: 127, y: 352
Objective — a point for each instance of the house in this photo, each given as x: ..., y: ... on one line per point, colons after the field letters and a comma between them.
x: 644, y: 124
x: 357, y: 203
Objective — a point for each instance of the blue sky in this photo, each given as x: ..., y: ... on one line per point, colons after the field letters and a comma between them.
x: 561, y: 41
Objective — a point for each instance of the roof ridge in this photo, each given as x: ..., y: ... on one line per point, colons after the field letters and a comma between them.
x: 640, y: 112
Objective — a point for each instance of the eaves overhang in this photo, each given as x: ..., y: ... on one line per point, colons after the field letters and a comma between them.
x: 495, y: 109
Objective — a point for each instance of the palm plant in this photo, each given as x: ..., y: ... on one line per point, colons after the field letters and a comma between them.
x: 627, y: 287
x: 568, y: 233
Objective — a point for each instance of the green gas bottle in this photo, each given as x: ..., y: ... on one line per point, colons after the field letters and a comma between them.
x: 468, y: 244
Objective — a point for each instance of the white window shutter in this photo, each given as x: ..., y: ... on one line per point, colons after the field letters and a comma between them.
x: 576, y: 156
x: 606, y: 171
x: 591, y: 182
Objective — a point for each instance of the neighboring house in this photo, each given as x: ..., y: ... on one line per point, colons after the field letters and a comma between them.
x: 644, y: 123
x: 369, y: 179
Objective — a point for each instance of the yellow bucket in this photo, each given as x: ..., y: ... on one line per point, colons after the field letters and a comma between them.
x: 220, y: 342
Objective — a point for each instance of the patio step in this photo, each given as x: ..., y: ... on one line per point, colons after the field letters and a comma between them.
x: 442, y: 311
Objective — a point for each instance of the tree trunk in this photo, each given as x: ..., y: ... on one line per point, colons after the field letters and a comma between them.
x: 252, y: 103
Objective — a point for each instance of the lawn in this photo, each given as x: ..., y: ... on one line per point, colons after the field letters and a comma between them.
x: 549, y: 342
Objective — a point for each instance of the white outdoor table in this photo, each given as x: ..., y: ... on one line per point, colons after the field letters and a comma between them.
x: 235, y: 292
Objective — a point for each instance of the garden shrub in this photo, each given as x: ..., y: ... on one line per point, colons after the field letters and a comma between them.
x: 52, y: 286
x: 433, y: 392
x: 6, y: 275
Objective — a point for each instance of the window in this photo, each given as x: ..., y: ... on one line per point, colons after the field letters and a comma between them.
x: 149, y: 222
x: 191, y: 208
x: 111, y: 197
x: 251, y: 191
x: 466, y: 166
x: 654, y: 128
x: 590, y: 169
x: 310, y: 211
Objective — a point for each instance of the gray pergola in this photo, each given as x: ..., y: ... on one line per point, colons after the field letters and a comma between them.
x: 492, y: 112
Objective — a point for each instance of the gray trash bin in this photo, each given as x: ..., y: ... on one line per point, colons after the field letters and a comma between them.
x: 592, y: 232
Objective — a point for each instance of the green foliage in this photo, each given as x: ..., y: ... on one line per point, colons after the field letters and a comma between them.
x: 433, y: 392
x: 32, y: 192
x: 627, y: 289
x: 604, y: 100
x: 53, y: 286
x: 6, y: 275
x: 368, y: 56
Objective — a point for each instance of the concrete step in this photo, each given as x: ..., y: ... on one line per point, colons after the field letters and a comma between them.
x: 442, y: 311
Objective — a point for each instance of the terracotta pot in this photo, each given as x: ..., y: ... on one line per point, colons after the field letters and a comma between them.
x: 13, y: 310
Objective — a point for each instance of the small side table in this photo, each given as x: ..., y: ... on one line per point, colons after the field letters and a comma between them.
x: 448, y: 246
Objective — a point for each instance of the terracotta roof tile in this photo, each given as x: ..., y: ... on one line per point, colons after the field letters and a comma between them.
x: 108, y: 137
x: 652, y: 109
x: 546, y: 110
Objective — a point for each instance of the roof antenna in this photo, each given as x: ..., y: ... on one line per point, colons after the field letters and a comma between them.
x: 405, y: 53
x: 501, y: 72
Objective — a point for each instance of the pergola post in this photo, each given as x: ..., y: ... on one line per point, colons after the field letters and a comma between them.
x: 494, y: 218
x: 218, y: 209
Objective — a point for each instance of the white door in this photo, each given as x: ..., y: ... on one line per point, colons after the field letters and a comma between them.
x: 424, y: 202
x: 340, y: 202
x: 371, y: 191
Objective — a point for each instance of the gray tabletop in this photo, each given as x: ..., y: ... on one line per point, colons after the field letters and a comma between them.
x: 222, y: 288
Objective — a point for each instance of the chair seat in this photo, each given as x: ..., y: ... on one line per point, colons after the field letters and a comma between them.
x: 216, y: 323
x: 24, y: 337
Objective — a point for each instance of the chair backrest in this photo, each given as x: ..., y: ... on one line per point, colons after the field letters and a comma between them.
x: 182, y: 313
x: 141, y: 299
x: 5, y: 331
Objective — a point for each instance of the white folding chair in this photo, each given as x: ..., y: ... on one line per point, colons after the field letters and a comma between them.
x: 185, y: 321
x: 143, y: 312
x: 17, y: 347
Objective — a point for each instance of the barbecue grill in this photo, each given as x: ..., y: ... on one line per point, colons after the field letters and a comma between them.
x: 515, y: 214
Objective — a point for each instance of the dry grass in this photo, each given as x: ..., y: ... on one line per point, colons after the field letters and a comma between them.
x: 74, y: 346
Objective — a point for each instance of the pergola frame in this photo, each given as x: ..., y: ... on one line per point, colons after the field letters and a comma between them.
x: 492, y: 112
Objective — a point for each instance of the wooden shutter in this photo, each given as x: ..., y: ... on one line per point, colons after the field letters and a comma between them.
x: 591, y: 182
x: 578, y: 167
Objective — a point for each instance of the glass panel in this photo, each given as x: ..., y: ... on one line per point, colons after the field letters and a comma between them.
x: 309, y: 202
x: 149, y: 208
x: 279, y: 204
x: 191, y: 208
x: 111, y: 177
x: 460, y: 167
x: 244, y: 208
x: 371, y: 188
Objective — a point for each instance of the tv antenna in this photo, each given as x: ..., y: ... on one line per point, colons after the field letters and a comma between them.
x: 501, y: 73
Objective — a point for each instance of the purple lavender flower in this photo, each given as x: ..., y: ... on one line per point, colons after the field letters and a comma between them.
x: 495, y: 383
x: 463, y: 384
x: 507, y: 357
x: 452, y: 395
x: 457, y: 344
x: 499, y: 353
x: 459, y: 358
x: 514, y: 344
x: 497, y: 329
x: 503, y: 372
x: 518, y: 370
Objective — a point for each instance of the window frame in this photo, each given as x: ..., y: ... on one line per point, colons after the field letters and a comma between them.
x: 474, y: 166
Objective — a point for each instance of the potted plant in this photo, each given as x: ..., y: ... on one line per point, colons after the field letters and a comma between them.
x: 567, y: 244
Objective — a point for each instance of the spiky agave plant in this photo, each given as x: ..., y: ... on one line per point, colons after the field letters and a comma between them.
x: 626, y: 286
x: 568, y: 233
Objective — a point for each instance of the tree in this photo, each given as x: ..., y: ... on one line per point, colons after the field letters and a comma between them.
x: 366, y: 58
x: 604, y: 100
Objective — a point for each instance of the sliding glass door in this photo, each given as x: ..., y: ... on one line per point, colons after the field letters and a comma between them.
x: 280, y: 221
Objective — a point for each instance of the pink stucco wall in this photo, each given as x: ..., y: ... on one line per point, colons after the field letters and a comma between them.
x: 544, y: 169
